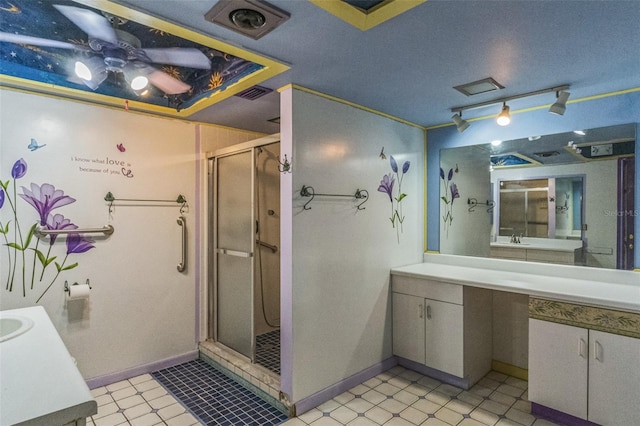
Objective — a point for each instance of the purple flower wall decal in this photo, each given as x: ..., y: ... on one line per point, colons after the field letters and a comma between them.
x: 454, y: 192
x: 76, y: 243
x: 58, y: 222
x: 19, y: 169
x: 394, y: 165
x: 449, y: 189
x: 44, y: 199
x: 19, y: 244
x: 387, y: 186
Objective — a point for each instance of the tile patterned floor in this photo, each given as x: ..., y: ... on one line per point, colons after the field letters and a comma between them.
x: 214, y: 398
x: 401, y: 397
x: 268, y: 351
x: 139, y: 401
x: 397, y: 397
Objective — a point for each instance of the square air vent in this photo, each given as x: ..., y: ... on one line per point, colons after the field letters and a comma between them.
x: 480, y: 86
x: 253, y: 18
x: 253, y: 93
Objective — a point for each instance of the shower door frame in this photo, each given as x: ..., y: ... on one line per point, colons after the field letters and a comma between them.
x: 212, y: 274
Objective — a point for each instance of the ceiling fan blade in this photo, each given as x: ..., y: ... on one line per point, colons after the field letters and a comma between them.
x: 36, y: 41
x: 96, y: 26
x: 166, y: 83
x: 181, y: 56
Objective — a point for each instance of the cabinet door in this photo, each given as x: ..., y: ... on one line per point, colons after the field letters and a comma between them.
x: 408, y: 327
x: 614, y: 379
x: 444, y: 339
x: 558, y: 366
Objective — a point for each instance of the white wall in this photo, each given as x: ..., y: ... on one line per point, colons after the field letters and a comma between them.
x: 336, y: 260
x: 141, y: 311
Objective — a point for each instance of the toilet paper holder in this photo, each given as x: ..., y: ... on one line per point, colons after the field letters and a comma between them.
x: 67, y: 289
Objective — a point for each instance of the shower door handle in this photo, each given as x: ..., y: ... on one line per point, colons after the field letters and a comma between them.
x: 234, y: 252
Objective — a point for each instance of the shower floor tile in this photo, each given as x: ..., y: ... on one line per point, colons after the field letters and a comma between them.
x: 214, y: 398
x: 268, y: 351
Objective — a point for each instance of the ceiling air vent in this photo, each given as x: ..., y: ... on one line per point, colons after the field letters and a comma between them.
x: 253, y: 93
x: 480, y: 86
x: 253, y: 18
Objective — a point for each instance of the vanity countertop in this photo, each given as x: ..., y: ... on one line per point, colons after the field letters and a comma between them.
x: 40, y: 383
x: 591, y: 286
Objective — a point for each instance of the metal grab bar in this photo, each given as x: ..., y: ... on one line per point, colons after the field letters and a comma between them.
x: 273, y: 248
x: 182, y: 221
x: 41, y: 232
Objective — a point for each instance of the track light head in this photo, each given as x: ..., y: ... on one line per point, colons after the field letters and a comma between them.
x: 461, y: 123
x: 560, y: 106
x: 504, y: 118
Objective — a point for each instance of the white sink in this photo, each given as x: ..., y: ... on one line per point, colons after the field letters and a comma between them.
x: 12, y: 325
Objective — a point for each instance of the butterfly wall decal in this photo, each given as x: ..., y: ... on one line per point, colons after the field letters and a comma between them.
x: 121, y: 147
x: 34, y: 145
x: 382, y: 156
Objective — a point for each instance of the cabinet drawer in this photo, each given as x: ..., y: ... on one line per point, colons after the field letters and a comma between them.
x: 548, y: 256
x: 426, y: 288
x: 509, y: 253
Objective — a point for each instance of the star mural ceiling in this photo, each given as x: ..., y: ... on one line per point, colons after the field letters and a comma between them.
x: 103, y: 53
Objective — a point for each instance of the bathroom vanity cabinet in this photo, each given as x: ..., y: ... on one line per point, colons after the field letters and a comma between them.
x: 443, y: 327
x: 590, y: 374
x: 583, y: 325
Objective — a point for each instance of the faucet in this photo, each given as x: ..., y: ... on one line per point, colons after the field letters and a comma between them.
x: 515, y: 239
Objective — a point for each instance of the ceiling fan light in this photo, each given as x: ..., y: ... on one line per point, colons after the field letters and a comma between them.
x: 82, y: 71
x: 504, y: 118
x: 139, y: 82
x: 92, y: 71
x: 560, y: 106
x: 460, y: 122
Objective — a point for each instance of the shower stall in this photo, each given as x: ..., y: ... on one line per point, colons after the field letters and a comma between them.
x: 244, y: 259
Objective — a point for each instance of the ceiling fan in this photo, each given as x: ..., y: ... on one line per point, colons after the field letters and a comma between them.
x: 118, y: 52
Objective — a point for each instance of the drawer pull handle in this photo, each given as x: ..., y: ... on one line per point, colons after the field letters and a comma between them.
x: 420, y: 311
x: 428, y: 311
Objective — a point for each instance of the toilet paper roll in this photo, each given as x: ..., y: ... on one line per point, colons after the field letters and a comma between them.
x: 79, y: 291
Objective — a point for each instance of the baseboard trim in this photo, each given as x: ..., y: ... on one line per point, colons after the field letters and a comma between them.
x: 336, y: 389
x: 435, y: 374
x: 107, y: 379
x: 510, y: 370
x: 558, y: 417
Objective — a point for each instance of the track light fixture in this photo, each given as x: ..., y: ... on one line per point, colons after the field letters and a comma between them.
x: 560, y: 106
x: 460, y: 122
x: 504, y: 118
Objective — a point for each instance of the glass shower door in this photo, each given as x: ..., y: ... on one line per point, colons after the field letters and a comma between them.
x: 234, y: 252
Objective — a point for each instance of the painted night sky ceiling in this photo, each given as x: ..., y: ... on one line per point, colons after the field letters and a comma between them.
x: 41, y: 41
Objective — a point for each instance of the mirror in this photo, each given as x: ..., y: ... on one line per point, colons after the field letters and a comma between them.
x: 549, y: 198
